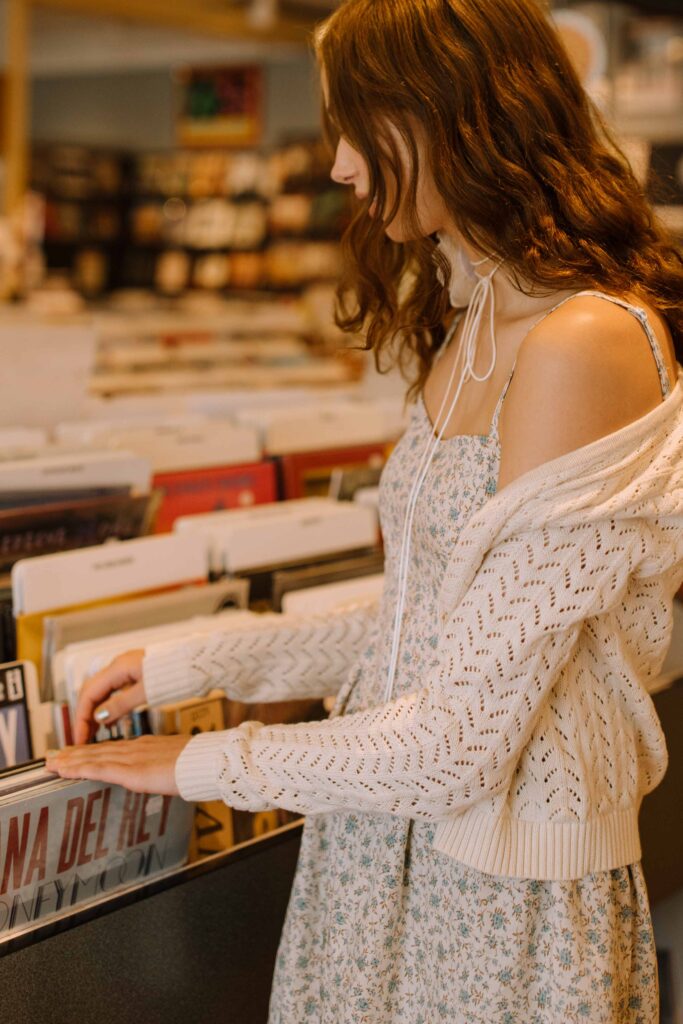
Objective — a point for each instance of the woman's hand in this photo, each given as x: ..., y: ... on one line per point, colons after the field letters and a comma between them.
x: 122, y: 677
x: 143, y: 765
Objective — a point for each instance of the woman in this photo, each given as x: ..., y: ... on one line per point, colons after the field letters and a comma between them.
x: 470, y: 851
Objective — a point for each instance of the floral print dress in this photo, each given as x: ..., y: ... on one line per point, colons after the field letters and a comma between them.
x: 381, y: 928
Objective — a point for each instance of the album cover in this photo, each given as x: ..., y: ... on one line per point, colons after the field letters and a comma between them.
x: 211, y: 490
x: 344, y: 483
x: 306, y: 474
x: 65, y: 843
x: 76, y: 662
x: 26, y: 532
x: 15, y: 723
x: 286, y: 582
x: 8, y: 632
x: 26, y: 498
x: 180, y: 605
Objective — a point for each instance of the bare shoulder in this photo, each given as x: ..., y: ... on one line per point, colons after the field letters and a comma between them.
x: 585, y: 371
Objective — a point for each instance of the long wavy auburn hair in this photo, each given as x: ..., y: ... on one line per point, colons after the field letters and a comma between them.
x: 525, y: 162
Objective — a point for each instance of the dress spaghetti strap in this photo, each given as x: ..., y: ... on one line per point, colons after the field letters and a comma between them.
x: 640, y: 315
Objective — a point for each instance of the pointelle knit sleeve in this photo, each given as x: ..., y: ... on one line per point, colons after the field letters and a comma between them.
x: 435, y: 751
x: 273, y: 658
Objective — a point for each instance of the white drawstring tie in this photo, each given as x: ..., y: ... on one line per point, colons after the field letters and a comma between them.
x: 468, y: 347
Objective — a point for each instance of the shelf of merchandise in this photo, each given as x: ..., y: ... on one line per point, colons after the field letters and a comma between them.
x: 131, y: 257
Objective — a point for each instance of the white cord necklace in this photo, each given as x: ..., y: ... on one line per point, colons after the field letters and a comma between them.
x: 482, y: 290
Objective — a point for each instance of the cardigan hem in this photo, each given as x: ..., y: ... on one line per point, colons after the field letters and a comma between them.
x: 543, y: 850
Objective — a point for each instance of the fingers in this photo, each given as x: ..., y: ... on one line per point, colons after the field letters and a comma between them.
x: 123, y: 671
x: 144, y: 765
x: 120, y: 703
x: 119, y: 773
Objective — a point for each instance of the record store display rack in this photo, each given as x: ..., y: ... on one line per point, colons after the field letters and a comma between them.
x: 245, y: 220
x: 133, y: 534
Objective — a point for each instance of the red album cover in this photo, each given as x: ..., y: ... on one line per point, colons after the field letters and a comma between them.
x: 307, y: 474
x: 193, y: 491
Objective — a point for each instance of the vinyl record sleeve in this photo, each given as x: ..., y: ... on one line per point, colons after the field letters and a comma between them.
x: 290, y: 581
x: 65, y: 843
x: 91, y: 623
x: 211, y: 490
x: 58, y: 526
x: 15, y: 722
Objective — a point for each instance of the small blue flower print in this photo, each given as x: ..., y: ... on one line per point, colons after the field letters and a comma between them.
x: 380, y: 925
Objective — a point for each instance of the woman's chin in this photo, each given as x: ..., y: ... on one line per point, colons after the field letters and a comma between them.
x: 397, y: 233
x: 394, y: 229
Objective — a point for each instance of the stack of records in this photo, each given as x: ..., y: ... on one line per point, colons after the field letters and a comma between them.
x: 66, y: 843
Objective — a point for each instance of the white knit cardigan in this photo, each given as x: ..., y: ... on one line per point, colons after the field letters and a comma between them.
x: 534, y: 740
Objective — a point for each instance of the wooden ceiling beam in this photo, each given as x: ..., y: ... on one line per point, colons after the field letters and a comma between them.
x: 16, y: 104
x: 196, y: 17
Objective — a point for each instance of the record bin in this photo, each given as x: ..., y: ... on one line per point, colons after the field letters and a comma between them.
x: 198, y: 944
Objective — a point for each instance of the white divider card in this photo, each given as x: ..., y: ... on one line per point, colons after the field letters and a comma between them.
x: 394, y: 411
x: 107, y: 570
x: 367, y: 496
x: 317, y: 427
x: 282, y: 532
x: 173, y: 446
x: 58, y: 470
x: 141, y: 407
x: 46, y: 370
x: 92, y: 430
x: 328, y: 596
x: 228, y: 402
x: 16, y: 442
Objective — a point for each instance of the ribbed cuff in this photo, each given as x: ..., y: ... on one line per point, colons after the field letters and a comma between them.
x: 197, y: 767
x: 166, y: 673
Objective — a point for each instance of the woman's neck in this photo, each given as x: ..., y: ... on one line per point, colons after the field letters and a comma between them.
x: 511, y: 304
